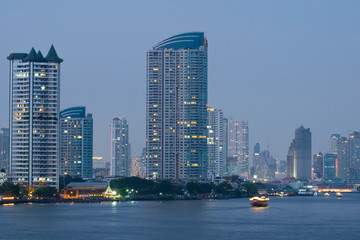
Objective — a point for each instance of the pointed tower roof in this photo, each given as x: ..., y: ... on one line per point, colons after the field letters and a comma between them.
x: 40, y: 56
x: 52, y: 56
x: 31, y: 57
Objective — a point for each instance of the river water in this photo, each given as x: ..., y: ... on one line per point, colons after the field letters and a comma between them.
x: 285, y: 218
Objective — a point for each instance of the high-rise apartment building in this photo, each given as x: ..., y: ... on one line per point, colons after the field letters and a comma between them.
x: 4, y: 148
x: 354, y: 163
x: 76, y: 142
x: 318, y: 165
x: 225, y: 145
x: 299, y: 155
x: 120, y: 163
x: 215, y: 143
x: 98, y: 162
x: 343, y: 151
x: 176, y: 108
x: 34, y: 113
x: 239, y: 147
x: 333, y: 142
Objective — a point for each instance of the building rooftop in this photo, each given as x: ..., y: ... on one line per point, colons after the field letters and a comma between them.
x: 32, y: 56
x: 191, y: 40
x: 87, y: 184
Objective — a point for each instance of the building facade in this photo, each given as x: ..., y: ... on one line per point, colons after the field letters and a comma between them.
x: 354, y: 163
x: 333, y: 142
x: 215, y: 143
x: 299, y: 155
x: 239, y: 147
x: 318, y: 165
x: 176, y: 108
x: 343, y: 151
x: 76, y: 143
x: 4, y: 148
x: 34, y: 113
x: 330, y: 166
x: 120, y: 163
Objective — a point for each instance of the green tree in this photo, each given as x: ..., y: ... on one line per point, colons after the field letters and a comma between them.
x: 45, y: 192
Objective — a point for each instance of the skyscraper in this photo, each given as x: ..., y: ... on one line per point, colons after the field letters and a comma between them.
x: 299, y: 155
x: 343, y: 151
x: 34, y: 113
x: 120, y: 163
x: 330, y: 166
x: 354, y: 166
x: 333, y: 142
x: 176, y: 107
x: 76, y: 142
x: 239, y: 147
x: 319, y: 165
x: 215, y: 143
x: 4, y: 148
x: 225, y: 145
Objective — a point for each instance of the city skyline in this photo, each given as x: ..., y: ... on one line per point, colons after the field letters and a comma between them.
x: 302, y: 64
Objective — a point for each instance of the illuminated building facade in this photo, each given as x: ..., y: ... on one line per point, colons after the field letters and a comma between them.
x: 34, y: 113
x: 76, y: 143
x: 176, y: 108
x: 318, y: 165
x: 343, y: 151
x: 239, y: 147
x: 299, y: 155
x: 330, y: 166
x: 4, y: 148
x: 215, y: 143
x: 120, y: 148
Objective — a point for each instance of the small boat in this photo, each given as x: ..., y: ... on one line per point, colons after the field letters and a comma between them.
x: 326, y: 194
x: 339, y: 195
x: 259, y: 201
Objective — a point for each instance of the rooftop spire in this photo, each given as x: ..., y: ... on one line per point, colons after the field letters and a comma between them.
x: 52, y: 55
x: 31, y: 57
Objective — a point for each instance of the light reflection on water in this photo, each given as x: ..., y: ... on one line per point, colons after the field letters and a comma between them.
x: 284, y: 218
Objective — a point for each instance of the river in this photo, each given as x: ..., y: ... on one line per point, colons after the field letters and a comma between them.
x: 285, y: 218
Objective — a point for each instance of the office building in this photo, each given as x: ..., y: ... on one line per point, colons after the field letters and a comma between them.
x: 299, y: 155
x: 330, y: 166
x: 215, y: 143
x: 4, y: 148
x: 76, y: 143
x: 34, y: 113
x: 120, y: 148
x: 176, y: 108
x: 239, y: 147
x: 318, y: 165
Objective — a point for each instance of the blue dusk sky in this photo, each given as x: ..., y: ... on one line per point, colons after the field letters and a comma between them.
x: 277, y: 64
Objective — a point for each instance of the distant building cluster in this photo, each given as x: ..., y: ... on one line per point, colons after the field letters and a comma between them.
x: 186, y: 139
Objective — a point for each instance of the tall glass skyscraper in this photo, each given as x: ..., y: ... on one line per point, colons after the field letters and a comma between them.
x: 120, y: 163
x: 176, y: 108
x: 34, y: 113
x: 76, y: 142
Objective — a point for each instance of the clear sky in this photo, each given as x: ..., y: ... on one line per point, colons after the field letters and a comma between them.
x: 277, y: 64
